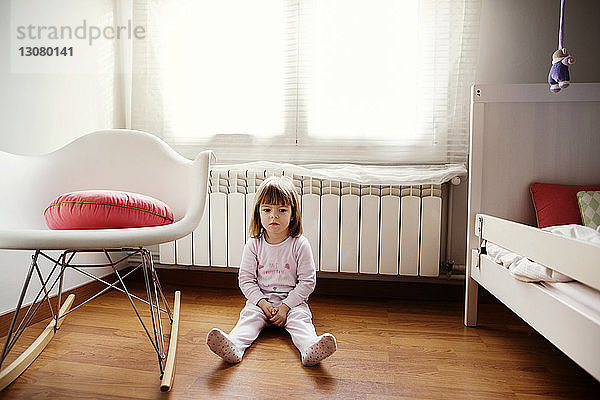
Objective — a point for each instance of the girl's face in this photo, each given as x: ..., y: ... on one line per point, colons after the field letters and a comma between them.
x: 275, y: 218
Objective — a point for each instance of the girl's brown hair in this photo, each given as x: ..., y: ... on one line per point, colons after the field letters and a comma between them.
x: 276, y: 190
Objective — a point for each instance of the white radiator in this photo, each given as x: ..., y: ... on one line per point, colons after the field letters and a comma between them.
x: 364, y: 229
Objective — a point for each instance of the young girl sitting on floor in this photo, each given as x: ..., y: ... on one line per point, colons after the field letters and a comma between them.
x: 277, y: 274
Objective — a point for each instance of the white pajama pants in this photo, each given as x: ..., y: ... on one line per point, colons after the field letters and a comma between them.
x: 253, y: 320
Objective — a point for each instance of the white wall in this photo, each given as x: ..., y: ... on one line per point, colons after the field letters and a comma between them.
x: 518, y: 38
x: 39, y: 113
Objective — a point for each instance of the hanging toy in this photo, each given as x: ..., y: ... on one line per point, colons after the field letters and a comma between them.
x: 559, y: 72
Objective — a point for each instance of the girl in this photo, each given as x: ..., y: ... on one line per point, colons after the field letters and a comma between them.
x: 277, y: 274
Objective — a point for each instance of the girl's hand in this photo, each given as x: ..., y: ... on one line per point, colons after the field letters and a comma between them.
x: 280, y: 315
x: 266, y: 307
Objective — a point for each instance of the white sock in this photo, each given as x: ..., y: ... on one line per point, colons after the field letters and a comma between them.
x: 320, y: 350
x: 220, y: 344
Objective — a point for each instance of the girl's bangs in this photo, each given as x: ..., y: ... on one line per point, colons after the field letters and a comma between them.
x: 275, y: 196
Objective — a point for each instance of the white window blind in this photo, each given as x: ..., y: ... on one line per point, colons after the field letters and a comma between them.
x: 384, y: 81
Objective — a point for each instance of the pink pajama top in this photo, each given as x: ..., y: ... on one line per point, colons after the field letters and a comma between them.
x: 280, y: 273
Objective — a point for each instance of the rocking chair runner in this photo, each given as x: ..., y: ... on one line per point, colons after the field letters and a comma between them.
x: 124, y: 160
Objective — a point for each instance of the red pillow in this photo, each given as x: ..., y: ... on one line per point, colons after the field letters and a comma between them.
x: 557, y: 204
x: 106, y: 209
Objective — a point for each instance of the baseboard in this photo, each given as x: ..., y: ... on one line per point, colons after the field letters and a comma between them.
x: 82, y: 293
x: 413, y: 289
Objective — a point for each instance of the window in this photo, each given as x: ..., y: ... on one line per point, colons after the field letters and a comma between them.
x: 383, y: 81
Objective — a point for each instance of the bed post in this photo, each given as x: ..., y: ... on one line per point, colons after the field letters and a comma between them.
x: 474, y: 205
x: 471, y: 286
x: 471, y: 300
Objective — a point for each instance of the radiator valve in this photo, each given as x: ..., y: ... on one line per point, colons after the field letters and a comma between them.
x: 446, y: 268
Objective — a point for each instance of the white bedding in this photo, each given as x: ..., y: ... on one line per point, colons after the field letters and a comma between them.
x: 528, y: 271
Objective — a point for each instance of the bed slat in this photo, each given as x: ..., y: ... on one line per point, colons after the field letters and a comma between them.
x: 551, y: 250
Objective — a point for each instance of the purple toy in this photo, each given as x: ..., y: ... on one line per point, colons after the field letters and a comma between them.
x: 559, y: 72
x: 558, y: 77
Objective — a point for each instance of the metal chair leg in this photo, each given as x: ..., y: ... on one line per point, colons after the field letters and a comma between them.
x: 19, y: 304
x: 149, y: 284
x: 154, y: 294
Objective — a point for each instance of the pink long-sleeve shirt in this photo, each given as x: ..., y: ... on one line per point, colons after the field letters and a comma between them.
x: 283, y: 272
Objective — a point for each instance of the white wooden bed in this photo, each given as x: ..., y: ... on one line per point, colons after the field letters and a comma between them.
x: 522, y: 134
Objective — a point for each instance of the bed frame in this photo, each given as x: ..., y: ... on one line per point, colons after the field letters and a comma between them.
x: 521, y: 134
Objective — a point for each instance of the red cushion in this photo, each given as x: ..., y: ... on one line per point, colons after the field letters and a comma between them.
x: 106, y: 209
x: 557, y: 204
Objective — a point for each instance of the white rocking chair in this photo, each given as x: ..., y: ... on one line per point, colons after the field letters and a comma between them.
x: 124, y: 160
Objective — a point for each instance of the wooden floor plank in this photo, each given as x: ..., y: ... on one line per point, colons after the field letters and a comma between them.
x: 386, y: 350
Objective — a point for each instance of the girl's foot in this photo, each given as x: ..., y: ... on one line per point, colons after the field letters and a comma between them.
x: 320, y: 350
x: 220, y: 344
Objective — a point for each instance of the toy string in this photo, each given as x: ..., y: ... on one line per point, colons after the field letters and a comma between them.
x: 562, y: 25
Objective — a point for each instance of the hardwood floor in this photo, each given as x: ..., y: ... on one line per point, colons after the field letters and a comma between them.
x: 386, y: 350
